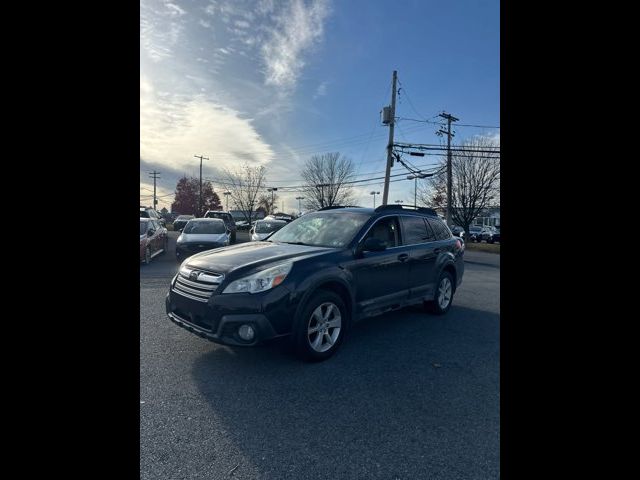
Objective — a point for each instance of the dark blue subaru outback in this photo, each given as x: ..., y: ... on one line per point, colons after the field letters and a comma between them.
x: 316, y: 276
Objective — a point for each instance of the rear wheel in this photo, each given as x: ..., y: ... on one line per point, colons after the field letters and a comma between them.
x: 444, y: 295
x: 319, y: 329
x: 233, y: 238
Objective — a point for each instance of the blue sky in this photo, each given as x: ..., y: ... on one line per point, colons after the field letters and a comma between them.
x: 271, y: 82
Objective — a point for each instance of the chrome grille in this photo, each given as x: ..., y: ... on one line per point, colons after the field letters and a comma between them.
x: 196, y: 284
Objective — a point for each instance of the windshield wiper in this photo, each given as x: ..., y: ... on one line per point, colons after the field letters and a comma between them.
x: 296, y: 243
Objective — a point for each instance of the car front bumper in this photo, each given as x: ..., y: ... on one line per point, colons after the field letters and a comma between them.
x: 269, y: 313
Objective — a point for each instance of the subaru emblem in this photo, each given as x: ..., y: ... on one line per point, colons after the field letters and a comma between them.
x: 193, y: 276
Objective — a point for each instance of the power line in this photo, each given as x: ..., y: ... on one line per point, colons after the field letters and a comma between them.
x: 442, y: 124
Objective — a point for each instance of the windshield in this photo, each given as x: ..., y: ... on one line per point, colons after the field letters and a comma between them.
x: 322, y: 229
x: 474, y: 229
x: 196, y: 228
x: 268, y: 227
x: 143, y: 228
x: 144, y: 214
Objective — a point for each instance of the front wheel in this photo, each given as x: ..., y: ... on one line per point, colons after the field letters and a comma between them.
x: 444, y: 295
x: 319, y: 329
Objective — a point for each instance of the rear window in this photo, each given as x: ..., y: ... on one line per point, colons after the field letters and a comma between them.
x: 268, y: 227
x: 144, y: 214
x: 415, y: 230
x: 439, y: 229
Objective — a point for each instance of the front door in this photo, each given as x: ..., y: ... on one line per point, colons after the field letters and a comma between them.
x: 381, y: 278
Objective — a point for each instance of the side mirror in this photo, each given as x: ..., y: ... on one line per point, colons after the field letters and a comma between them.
x: 373, y: 244
x: 180, y: 229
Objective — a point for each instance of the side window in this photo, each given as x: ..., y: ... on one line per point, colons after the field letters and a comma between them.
x: 387, y: 230
x: 441, y: 232
x: 415, y: 230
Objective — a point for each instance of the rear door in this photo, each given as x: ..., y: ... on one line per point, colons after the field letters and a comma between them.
x: 422, y: 256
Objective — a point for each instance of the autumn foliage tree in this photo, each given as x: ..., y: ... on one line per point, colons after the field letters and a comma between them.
x: 187, y: 197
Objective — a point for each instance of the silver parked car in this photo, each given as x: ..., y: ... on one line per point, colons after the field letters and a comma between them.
x: 201, y: 234
x: 263, y: 228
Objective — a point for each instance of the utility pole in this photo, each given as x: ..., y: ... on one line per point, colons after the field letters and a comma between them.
x: 226, y: 194
x: 450, y: 118
x: 200, y: 204
x: 273, y: 207
x: 392, y: 122
x: 374, y: 197
x: 299, y: 206
x: 155, y: 176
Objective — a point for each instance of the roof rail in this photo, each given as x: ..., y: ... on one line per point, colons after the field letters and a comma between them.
x: 332, y: 207
x: 413, y: 208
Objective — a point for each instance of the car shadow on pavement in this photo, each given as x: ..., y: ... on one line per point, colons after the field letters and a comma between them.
x: 408, y: 395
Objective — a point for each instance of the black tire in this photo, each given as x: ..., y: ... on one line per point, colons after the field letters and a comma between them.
x: 302, y: 339
x: 233, y: 238
x: 435, y: 306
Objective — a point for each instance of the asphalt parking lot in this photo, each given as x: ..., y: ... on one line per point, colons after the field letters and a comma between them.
x: 409, y: 395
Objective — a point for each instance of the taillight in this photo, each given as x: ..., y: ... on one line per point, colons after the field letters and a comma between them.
x: 459, y: 245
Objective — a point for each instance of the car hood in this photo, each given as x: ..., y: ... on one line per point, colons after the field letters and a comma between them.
x: 202, y: 237
x: 252, y: 255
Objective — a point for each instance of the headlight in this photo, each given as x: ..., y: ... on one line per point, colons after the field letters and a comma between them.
x: 261, y: 281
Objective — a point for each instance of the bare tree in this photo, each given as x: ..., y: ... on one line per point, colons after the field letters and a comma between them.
x: 475, y: 182
x: 245, y: 184
x: 269, y: 206
x: 325, y: 178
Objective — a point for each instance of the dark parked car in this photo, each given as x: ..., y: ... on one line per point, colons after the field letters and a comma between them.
x: 474, y: 233
x: 153, y: 239
x: 458, y: 231
x: 151, y: 213
x: 490, y: 234
x: 228, y: 220
x: 181, y: 221
x: 316, y: 276
x: 201, y: 234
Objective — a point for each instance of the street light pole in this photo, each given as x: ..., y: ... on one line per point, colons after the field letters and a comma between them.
x: 299, y: 207
x: 415, y: 188
x: 374, y: 197
x: 226, y: 194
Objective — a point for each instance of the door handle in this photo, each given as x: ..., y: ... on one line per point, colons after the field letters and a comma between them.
x: 403, y: 257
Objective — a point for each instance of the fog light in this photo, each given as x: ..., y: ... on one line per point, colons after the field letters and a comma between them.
x: 246, y: 332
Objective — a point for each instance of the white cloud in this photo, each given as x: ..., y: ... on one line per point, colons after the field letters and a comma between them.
x: 174, y: 128
x: 160, y: 29
x: 175, y: 9
x: 297, y: 29
x: 321, y: 91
